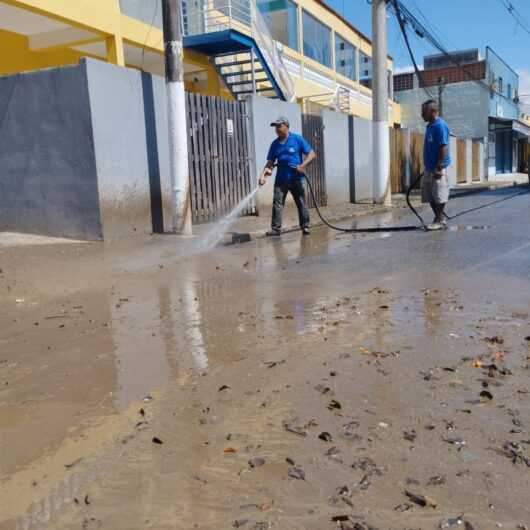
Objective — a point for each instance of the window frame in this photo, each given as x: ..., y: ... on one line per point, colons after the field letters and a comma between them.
x: 361, y: 53
x: 296, y: 6
x: 355, y: 57
x: 331, y: 66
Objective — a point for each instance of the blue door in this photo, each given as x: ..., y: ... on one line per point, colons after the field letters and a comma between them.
x: 499, y: 152
x: 503, y: 152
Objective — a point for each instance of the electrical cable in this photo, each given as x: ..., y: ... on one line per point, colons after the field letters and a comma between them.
x: 403, y: 14
x: 401, y: 23
x: 491, y: 203
x: 514, y: 12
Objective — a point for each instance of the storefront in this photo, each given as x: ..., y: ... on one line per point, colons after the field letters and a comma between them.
x: 506, y: 141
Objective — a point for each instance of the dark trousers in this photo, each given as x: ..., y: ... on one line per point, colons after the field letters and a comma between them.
x: 297, y: 190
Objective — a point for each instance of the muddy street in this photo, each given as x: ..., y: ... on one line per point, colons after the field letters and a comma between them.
x: 332, y: 381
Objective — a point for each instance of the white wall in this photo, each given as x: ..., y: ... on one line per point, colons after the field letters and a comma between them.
x: 336, y: 149
x: 362, y: 154
x: 262, y: 112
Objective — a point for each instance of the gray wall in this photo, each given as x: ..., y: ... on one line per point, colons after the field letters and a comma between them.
x: 48, y: 181
x: 132, y: 158
x: 362, y: 154
x: 465, y: 108
x: 84, y: 152
x: 337, y: 164
x: 263, y: 111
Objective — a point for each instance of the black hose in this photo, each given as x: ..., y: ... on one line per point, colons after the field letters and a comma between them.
x: 373, y: 228
x: 491, y: 203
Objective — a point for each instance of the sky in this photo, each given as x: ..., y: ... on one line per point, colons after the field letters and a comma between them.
x: 458, y: 24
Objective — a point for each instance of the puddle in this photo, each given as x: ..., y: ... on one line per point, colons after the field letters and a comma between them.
x: 462, y: 228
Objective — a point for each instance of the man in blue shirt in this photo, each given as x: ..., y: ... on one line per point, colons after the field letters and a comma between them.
x: 436, y: 159
x: 288, y: 151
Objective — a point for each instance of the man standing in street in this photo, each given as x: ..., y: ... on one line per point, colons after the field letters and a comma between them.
x: 288, y: 151
x: 436, y: 159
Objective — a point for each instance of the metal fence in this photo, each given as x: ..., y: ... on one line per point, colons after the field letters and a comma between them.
x: 313, y: 132
x: 218, y: 153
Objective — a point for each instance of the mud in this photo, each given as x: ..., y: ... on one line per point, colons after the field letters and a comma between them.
x: 305, y: 383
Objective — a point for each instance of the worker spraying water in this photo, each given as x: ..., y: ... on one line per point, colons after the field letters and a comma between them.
x: 287, y: 152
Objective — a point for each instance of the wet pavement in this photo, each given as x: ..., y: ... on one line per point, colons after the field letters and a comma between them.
x: 333, y: 381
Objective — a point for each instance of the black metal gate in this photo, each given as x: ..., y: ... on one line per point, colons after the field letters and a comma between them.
x: 313, y: 132
x: 217, y: 156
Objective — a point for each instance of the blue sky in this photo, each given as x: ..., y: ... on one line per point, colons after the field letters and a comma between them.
x: 459, y: 24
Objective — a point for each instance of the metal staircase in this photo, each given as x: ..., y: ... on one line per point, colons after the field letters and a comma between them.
x: 244, y: 74
x: 235, y: 36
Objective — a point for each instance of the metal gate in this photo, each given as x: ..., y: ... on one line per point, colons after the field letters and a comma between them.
x: 218, y: 156
x: 313, y: 132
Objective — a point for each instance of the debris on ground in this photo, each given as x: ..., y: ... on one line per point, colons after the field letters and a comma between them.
x: 334, y: 405
x: 516, y: 453
x: 325, y: 436
x: 256, y: 462
x: 296, y: 473
x: 157, y: 440
x: 437, y: 480
x: 421, y: 500
x: 295, y: 429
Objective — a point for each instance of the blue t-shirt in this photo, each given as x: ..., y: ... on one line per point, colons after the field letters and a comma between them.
x: 288, y: 154
x: 436, y: 135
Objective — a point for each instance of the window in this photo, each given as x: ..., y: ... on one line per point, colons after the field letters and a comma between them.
x: 345, y: 58
x: 148, y: 11
x: 282, y: 19
x: 499, y: 87
x: 365, y: 67
x: 317, y: 40
x: 509, y: 91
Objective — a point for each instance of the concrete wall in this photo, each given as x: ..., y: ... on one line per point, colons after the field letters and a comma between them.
x: 465, y: 108
x: 48, y: 182
x: 337, y: 164
x: 362, y: 154
x: 451, y: 171
x: 84, y: 152
x: 263, y: 111
x: 129, y: 124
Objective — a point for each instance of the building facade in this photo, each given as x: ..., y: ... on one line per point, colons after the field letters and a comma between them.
x: 478, y: 97
x: 297, y: 50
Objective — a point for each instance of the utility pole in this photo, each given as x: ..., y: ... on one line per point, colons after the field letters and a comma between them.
x: 441, y: 87
x: 381, y: 133
x: 176, y: 113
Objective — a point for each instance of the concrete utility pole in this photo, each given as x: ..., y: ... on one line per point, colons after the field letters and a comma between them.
x: 441, y: 87
x: 381, y: 133
x: 176, y: 112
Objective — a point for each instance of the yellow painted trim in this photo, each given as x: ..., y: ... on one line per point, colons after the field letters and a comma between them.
x: 115, y: 53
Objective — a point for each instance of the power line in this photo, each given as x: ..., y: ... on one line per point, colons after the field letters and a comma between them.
x: 149, y: 32
x: 401, y: 23
x: 516, y: 15
x: 405, y: 17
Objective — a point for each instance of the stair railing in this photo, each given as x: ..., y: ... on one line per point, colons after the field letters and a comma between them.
x: 267, y: 45
x: 209, y: 16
